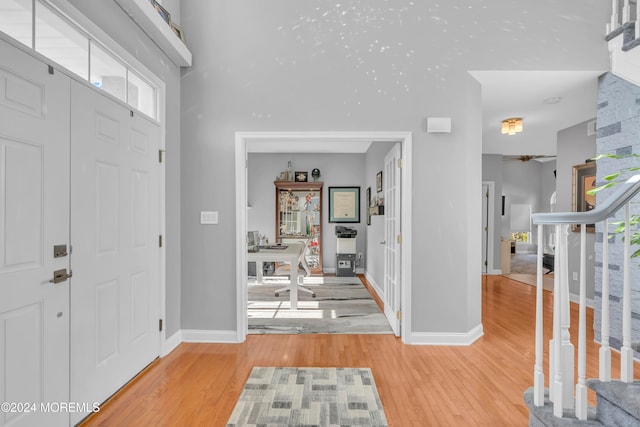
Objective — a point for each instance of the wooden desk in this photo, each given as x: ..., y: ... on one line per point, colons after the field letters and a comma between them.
x: 291, y: 255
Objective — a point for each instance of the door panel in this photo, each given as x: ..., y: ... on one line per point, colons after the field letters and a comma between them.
x: 115, y: 197
x: 22, y: 205
x: 34, y: 216
x: 392, y: 253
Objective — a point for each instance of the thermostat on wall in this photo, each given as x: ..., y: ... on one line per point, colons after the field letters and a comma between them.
x: 208, y: 217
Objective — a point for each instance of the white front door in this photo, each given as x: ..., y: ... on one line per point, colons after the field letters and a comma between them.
x: 392, y: 253
x: 115, y: 238
x: 34, y: 217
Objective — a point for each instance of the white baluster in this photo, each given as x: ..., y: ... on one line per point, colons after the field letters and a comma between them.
x: 538, y: 373
x: 581, y: 387
x: 615, y: 18
x: 626, y: 353
x: 637, y: 20
x: 567, y: 352
x: 556, y: 361
x: 605, y: 350
x: 626, y: 11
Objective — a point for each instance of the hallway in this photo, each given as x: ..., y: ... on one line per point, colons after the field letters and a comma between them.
x: 481, y: 385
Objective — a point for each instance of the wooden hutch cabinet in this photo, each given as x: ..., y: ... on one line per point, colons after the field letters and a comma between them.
x: 299, y: 216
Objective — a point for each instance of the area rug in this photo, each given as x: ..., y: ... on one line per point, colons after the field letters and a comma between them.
x: 341, y: 306
x: 524, y: 268
x: 309, y: 397
x: 524, y: 264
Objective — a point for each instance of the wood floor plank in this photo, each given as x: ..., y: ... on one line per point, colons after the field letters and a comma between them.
x: 477, y: 385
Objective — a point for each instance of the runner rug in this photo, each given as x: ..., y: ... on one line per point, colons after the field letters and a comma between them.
x: 309, y: 397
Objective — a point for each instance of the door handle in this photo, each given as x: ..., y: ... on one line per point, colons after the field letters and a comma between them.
x: 384, y: 242
x: 60, y: 276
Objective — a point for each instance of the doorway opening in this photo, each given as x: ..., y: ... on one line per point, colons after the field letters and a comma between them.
x: 316, y: 142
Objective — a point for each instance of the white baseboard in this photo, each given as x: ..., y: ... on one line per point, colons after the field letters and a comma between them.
x: 171, y: 343
x: 332, y: 270
x: 494, y: 272
x: 374, y: 284
x: 206, y: 336
x: 446, y: 338
x: 576, y: 299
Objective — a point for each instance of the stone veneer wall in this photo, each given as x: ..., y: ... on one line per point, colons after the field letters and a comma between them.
x: 618, y: 127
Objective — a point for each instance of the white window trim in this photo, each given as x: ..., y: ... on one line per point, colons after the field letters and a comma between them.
x: 98, y: 37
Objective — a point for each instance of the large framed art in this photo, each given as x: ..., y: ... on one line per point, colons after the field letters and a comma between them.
x: 583, y: 180
x: 344, y: 204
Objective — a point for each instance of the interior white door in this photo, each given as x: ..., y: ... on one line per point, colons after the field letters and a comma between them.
x: 392, y: 228
x: 115, y: 238
x: 485, y: 226
x: 34, y: 217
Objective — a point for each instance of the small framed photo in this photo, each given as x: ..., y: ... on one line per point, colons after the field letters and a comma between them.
x: 368, y: 205
x: 379, y: 182
x: 301, y: 176
x: 164, y: 14
x: 177, y: 31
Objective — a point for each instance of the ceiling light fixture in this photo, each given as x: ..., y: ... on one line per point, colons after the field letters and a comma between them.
x: 512, y: 126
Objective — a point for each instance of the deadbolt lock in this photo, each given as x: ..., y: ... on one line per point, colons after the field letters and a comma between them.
x: 60, y: 251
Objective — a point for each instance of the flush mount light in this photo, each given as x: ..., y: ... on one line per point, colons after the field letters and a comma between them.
x: 512, y: 126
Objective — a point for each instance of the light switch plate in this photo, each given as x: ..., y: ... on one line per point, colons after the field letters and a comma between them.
x: 208, y: 217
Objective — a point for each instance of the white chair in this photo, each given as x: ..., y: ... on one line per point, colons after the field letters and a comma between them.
x: 303, y: 271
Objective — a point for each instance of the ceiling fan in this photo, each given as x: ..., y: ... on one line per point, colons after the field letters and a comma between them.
x: 527, y: 157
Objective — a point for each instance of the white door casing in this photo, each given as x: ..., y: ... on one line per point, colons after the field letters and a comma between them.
x: 115, y: 236
x: 392, y: 243
x: 253, y: 142
x: 485, y: 227
x: 34, y: 216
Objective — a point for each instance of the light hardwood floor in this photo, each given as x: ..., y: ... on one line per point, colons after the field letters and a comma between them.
x: 477, y: 385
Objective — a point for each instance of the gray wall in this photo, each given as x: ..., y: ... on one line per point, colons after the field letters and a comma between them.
x: 574, y: 148
x: 318, y: 66
x: 111, y: 19
x: 337, y: 170
x: 492, y: 171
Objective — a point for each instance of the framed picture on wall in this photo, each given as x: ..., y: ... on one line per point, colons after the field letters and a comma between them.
x: 583, y: 180
x: 368, y: 204
x: 344, y: 204
x: 379, y: 182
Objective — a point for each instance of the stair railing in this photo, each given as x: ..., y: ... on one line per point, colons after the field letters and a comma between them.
x: 615, y: 17
x: 561, y: 353
x: 623, y: 8
x: 637, y: 19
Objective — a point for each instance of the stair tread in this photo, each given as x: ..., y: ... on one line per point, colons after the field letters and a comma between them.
x: 626, y: 396
x: 544, y: 414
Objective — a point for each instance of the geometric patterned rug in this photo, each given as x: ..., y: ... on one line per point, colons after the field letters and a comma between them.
x: 309, y: 397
